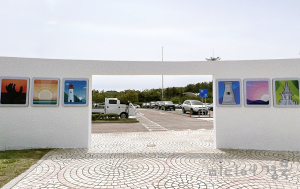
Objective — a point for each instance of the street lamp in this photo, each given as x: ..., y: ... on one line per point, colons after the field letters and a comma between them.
x: 213, y: 58
x: 162, y: 76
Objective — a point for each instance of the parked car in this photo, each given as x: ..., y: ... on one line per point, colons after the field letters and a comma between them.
x: 193, y: 106
x: 144, y: 105
x: 211, y: 107
x: 158, y: 104
x: 99, y: 105
x: 136, y: 105
x: 152, y: 104
x: 168, y: 105
x: 113, y: 105
x: 178, y: 106
x: 147, y: 104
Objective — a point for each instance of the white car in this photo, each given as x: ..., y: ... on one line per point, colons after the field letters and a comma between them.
x: 210, y: 107
x: 136, y: 105
x: 193, y: 106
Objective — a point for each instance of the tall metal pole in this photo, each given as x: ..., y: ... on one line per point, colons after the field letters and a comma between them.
x: 162, y: 76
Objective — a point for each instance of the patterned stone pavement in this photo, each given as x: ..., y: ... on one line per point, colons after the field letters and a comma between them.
x: 167, y: 159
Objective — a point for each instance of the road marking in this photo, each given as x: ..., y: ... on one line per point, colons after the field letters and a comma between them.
x: 148, y: 124
x: 206, y: 119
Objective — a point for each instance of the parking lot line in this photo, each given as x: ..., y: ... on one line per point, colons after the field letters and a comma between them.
x: 148, y: 124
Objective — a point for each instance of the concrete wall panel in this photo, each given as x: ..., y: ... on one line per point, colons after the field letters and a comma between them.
x: 70, y: 127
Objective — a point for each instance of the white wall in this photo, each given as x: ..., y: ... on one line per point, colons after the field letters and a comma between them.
x: 70, y: 127
x: 43, y: 127
x: 267, y: 128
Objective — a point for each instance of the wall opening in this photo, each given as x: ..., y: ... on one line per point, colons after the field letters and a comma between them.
x: 141, y: 89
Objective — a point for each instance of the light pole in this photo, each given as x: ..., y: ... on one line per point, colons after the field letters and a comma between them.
x: 162, y: 76
x: 213, y: 58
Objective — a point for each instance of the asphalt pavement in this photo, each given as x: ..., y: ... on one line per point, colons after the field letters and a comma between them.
x: 156, y: 120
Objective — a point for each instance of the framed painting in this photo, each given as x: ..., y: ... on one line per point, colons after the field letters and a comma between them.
x: 286, y: 92
x: 257, y: 92
x: 75, y: 92
x: 14, y: 91
x: 44, y: 91
x: 229, y: 92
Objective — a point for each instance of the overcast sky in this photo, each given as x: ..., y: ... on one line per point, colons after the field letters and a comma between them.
x: 137, y: 29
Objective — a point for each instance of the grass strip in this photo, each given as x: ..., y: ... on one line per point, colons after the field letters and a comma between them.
x: 15, y: 162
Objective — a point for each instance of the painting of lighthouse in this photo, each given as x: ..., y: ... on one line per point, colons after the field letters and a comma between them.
x: 257, y: 92
x: 71, y: 92
x: 229, y: 92
x: 75, y: 92
x: 286, y: 92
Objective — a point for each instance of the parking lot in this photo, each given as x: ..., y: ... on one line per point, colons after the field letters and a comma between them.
x: 157, y: 120
x: 179, y: 112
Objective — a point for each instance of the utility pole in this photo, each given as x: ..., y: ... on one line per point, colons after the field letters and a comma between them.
x: 213, y: 58
x: 162, y: 76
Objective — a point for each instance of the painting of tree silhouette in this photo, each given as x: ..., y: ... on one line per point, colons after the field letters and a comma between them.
x: 14, y: 91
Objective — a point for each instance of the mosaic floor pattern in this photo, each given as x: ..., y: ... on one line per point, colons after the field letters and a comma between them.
x: 168, y: 159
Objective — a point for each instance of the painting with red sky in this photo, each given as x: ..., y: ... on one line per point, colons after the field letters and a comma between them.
x: 45, y: 92
x: 14, y: 91
x: 257, y: 92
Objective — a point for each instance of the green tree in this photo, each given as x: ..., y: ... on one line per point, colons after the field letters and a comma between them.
x: 176, y: 100
x: 155, y: 94
x: 128, y: 95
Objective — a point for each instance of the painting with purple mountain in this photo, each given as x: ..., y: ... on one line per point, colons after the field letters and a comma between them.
x: 257, y: 92
x: 257, y: 102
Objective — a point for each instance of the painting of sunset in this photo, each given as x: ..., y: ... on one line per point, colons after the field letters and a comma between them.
x: 14, y: 91
x: 257, y: 92
x: 45, y: 91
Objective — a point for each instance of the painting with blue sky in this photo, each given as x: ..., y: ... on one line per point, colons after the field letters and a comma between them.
x: 229, y: 92
x: 75, y: 91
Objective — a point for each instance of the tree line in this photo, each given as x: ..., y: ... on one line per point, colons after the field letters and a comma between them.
x: 174, y: 94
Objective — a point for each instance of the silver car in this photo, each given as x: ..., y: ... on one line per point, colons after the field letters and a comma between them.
x: 158, y: 104
x: 152, y: 104
x: 194, y: 106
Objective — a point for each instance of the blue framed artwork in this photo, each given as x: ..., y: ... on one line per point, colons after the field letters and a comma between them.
x: 75, y: 92
x: 229, y: 92
x: 257, y: 92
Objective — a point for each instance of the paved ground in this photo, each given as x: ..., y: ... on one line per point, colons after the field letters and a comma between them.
x: 156, y: 120
x: 117, y: 127
x: 169, y: 120
x: 179, y: 111
x: 164, y: 159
